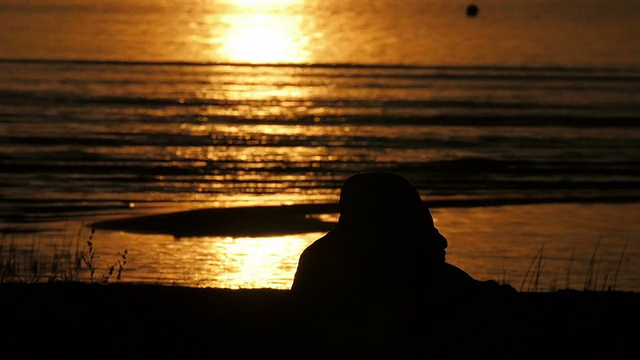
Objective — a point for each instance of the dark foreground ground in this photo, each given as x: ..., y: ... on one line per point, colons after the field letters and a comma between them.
x: 154, y: 321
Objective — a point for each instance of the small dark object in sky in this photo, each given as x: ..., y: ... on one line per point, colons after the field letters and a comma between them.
x: 472, y: 10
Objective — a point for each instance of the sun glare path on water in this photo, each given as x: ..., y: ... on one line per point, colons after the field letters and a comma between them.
x: 263, y: 32
x: 263, y: 4
x: 253, y: 262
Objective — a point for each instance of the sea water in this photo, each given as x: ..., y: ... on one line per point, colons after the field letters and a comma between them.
x: 519, y: 125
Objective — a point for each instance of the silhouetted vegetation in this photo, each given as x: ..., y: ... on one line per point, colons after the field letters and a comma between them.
x: 76, y: 261
x: 100, y: 312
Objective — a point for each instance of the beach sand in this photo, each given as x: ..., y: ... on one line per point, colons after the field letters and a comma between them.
x: 119, y: 320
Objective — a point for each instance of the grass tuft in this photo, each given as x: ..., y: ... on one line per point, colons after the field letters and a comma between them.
x: 68, y: 263
x: 594, y: 275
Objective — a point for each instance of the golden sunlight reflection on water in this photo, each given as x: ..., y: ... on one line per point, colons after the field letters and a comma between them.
x: 220, y: 262
x: 262, y: 4
x: 263, y: 38
x: 252, y: 262
x: 255, y: 92
x: 263, y: 32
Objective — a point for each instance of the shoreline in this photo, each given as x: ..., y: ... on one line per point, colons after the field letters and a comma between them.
x: 288, y: 219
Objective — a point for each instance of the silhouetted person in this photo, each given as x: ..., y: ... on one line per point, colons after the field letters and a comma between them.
x: 385, y: 237
x: 381, y: 270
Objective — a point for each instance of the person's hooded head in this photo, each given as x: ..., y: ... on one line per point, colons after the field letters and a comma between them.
x: 385, y: 206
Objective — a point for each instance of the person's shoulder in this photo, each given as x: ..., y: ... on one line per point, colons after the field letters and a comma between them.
x: 320, y: 245
x: 455, y: 273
